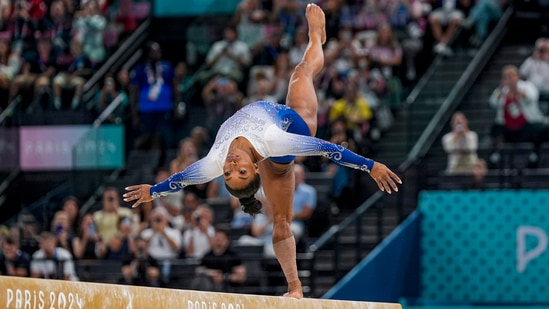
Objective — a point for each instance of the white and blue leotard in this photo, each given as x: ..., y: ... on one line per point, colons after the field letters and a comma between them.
x: 275, y: 131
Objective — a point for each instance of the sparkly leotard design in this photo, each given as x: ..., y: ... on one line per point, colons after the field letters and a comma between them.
x: 265, y: 125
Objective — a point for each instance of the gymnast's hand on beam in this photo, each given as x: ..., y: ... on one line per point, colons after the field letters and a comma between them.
x: 141, y: 193
x: 385, y: 178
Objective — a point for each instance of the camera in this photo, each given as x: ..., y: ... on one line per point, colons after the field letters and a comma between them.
x: 197, y: 218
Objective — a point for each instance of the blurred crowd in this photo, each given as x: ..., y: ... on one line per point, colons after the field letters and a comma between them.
x: 146, y: 240
x: 520, y: 102
x: 50, y: 48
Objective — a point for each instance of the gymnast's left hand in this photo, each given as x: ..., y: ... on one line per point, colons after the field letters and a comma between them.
x: 141, y: 193
x: 385, y: 178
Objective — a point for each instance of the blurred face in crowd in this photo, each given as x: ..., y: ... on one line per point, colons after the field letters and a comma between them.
x: 219, y: 242
x: 187, y: 149
x: 299, y: 173
x: 159, y: 221
x: 57, y: 9
x: 155, y: 53
x: 190, y: 204
x: 9, y: 250
x: 459, y: 122
x: 229, y: 34
x: 510, y: 76
x: 70, y: 207
x: 48, y: 244
x: 110, y: 201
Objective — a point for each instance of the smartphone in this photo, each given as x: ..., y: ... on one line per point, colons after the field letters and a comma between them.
x: 92, y: 229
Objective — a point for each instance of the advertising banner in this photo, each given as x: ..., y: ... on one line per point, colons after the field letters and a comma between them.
x: 485, y: 246
x: 59, y: 147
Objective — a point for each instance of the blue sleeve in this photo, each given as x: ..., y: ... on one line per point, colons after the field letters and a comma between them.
x: 201, y: 171
x: 345, y: 157
x: 284, y: 143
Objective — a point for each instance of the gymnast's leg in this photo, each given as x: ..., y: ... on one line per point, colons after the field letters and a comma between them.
x: 278, y: 179
x: 301, y: 92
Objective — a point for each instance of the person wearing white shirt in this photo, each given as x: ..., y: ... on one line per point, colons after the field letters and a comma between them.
x: 196, y: 240
x: 461, y: 146
x: 163, y: 241
x: 51, y: 262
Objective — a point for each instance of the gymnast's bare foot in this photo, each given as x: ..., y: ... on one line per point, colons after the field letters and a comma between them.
x: 294, y: 290
x: 317, y: 21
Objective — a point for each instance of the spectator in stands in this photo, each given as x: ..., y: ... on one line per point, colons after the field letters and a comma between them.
x: 338, y: 15
x: 222, y: 99
x: 340, y: 53
x: 269, y: 48
x: 173, y: 204
x: 29, y: 232
x: 88, y: 28
x: 109, y: 91
x: 23, y: 23
x: 228, y: 57
x: 304, y: 202
x: 5, y: 12
x: 190, y: 204
x: 107, y: 218
x: 536, y: 67
x: 449, y: 14
x: 196, y: 239
x: 52, y: 262
x: 141, y: 265
x: 481, y: 14
x: 13, y: 261
x: 57, y: 26
x: 368, y: 18
x: 152, y: 98
x: 409, y: 22
x: 221, y: 269
x: 37, y: 70
x: 186, y: 155
x: 479, y: 172
x: 297, y: 49
x: 122, y: 245
x: 78, y: 69
x: 386, y: 56
x: 163, y: 241
x: 10, y: 64
x: 261, y: 90
x: 87, y: 240
x: 71, y: 207
x: 60, y: 228
x: 460, y: 145
x: 201, y: 139
x: 289, y: 16
x: 249, y: 19
x: 281, y: 75
x: 518, y: 118
x: 355, y: 110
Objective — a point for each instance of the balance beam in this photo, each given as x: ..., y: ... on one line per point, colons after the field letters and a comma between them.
x: 27, y: 293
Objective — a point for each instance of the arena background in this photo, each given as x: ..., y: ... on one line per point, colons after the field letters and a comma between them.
x: 435, y: 244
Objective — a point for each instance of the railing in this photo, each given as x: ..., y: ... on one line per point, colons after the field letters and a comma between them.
x: 417, y: 153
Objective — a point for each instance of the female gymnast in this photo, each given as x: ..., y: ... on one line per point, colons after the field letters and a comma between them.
x: 256, y: 146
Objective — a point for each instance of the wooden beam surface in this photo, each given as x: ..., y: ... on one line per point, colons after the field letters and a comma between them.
x: 27, y: 293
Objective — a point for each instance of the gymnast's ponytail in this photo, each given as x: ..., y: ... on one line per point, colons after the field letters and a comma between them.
x: 249, y: 203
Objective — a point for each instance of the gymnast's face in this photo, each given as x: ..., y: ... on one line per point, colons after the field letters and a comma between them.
x: 239, y: 169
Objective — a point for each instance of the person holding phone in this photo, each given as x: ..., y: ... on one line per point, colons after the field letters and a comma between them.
x: 461, y: 146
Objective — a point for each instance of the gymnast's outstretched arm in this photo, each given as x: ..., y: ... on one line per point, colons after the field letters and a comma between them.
x: 284, y: 143
x: 201, y: 171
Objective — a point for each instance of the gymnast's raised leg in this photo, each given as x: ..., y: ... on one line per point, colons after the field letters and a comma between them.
x: 278, y: 179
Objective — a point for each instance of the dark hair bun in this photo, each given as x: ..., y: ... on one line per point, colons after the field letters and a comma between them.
x: 250, y: 205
